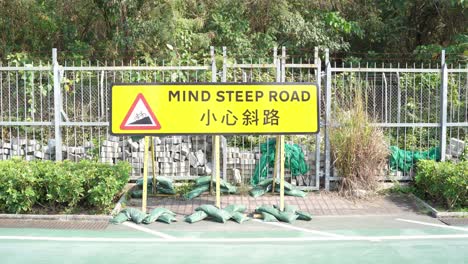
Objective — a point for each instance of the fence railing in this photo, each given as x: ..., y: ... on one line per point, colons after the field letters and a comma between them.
x: 61, y: 112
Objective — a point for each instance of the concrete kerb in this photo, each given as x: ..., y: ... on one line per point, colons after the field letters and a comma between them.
x: 437, y: 214
x: 57, y: 217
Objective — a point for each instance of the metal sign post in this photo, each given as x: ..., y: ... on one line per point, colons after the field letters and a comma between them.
x: 216, y: 170
x: 281, y: 170
x: 145, y: 176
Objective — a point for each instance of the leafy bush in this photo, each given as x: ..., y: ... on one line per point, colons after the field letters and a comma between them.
x: 359, y: 149
x: 62, y: 185
x: 18, y: 187
x: 445, y: 183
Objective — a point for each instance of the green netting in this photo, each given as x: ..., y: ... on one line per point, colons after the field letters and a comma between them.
x: 403, y: 160
x: 294, y: 160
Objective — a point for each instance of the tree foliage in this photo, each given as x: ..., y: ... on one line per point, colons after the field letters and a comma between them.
x: 183, y: 30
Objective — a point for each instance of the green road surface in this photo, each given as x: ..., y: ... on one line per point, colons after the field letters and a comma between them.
x: 208, y: 242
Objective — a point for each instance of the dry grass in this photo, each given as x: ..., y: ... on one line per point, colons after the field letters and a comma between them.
x: 359, y: 150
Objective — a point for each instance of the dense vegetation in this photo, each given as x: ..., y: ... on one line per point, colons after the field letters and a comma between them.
x: 444, y: 183
x: 46, y: 186
x: 182, y: 30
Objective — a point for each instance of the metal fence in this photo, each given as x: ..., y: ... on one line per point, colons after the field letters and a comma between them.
x: 64, y: 106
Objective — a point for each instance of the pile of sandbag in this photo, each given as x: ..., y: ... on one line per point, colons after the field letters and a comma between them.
x: 163, y: 186
x: 266, y: 185
x: 132, y: 214
x: 202, y: 185
x: 211, y: 212
x: 289, y: 214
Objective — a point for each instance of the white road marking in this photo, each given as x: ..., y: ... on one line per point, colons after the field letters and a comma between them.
x: 235, y: 240
x: 299, y: 228
x: 431, y: 224
x: 147, y: 230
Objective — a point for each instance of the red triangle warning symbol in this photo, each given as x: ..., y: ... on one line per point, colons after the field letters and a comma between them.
x: 140, y: 116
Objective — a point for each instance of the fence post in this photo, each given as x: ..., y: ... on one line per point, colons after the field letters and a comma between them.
x: 443, y: 107
x: 327, y: 117
x: 57, y: 106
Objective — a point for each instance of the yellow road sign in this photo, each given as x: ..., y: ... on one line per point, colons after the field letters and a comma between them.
x: 208, y: 108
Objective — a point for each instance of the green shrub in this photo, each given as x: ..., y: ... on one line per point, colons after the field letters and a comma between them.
x: 445, y: 183
x: 59, y: 185
x: 105, y: 182
x: 18, y: 187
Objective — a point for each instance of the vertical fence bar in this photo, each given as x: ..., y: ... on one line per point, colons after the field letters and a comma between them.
x: 224, y: 141
x: 443, y: 107
x: 318, y: 64
x: 327, y: 117
x: 57, y: 107
x: 277, y: 64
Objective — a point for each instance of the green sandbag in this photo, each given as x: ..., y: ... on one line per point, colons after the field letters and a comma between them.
x: 164, y: 190
x: 287, y: 217
x: 120, y: 218
x: 164, y: 182
x: 288, y: 208
x: 136, y: 194
x: 269, y: 217
x: 233, y: 208
x: 167, y: 218
x: 155, y: 214
x: 224, y: 190
x: 264, y: 183
x: 231, y: 188
x: 303, y: 216
x: 267, y: 182
x: 239, y: 217
x: 203, y: 181
x: 160, y: 181
x: 195, y: 217
x: 139, y: 193
x: 135, y: 215
x: 295, y: 192
x: 139, y: 181
x: 268, y: 209
x: 226, y: 185
x: 256, y: 192
x: 218, y: 215
x: 197, y: 192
